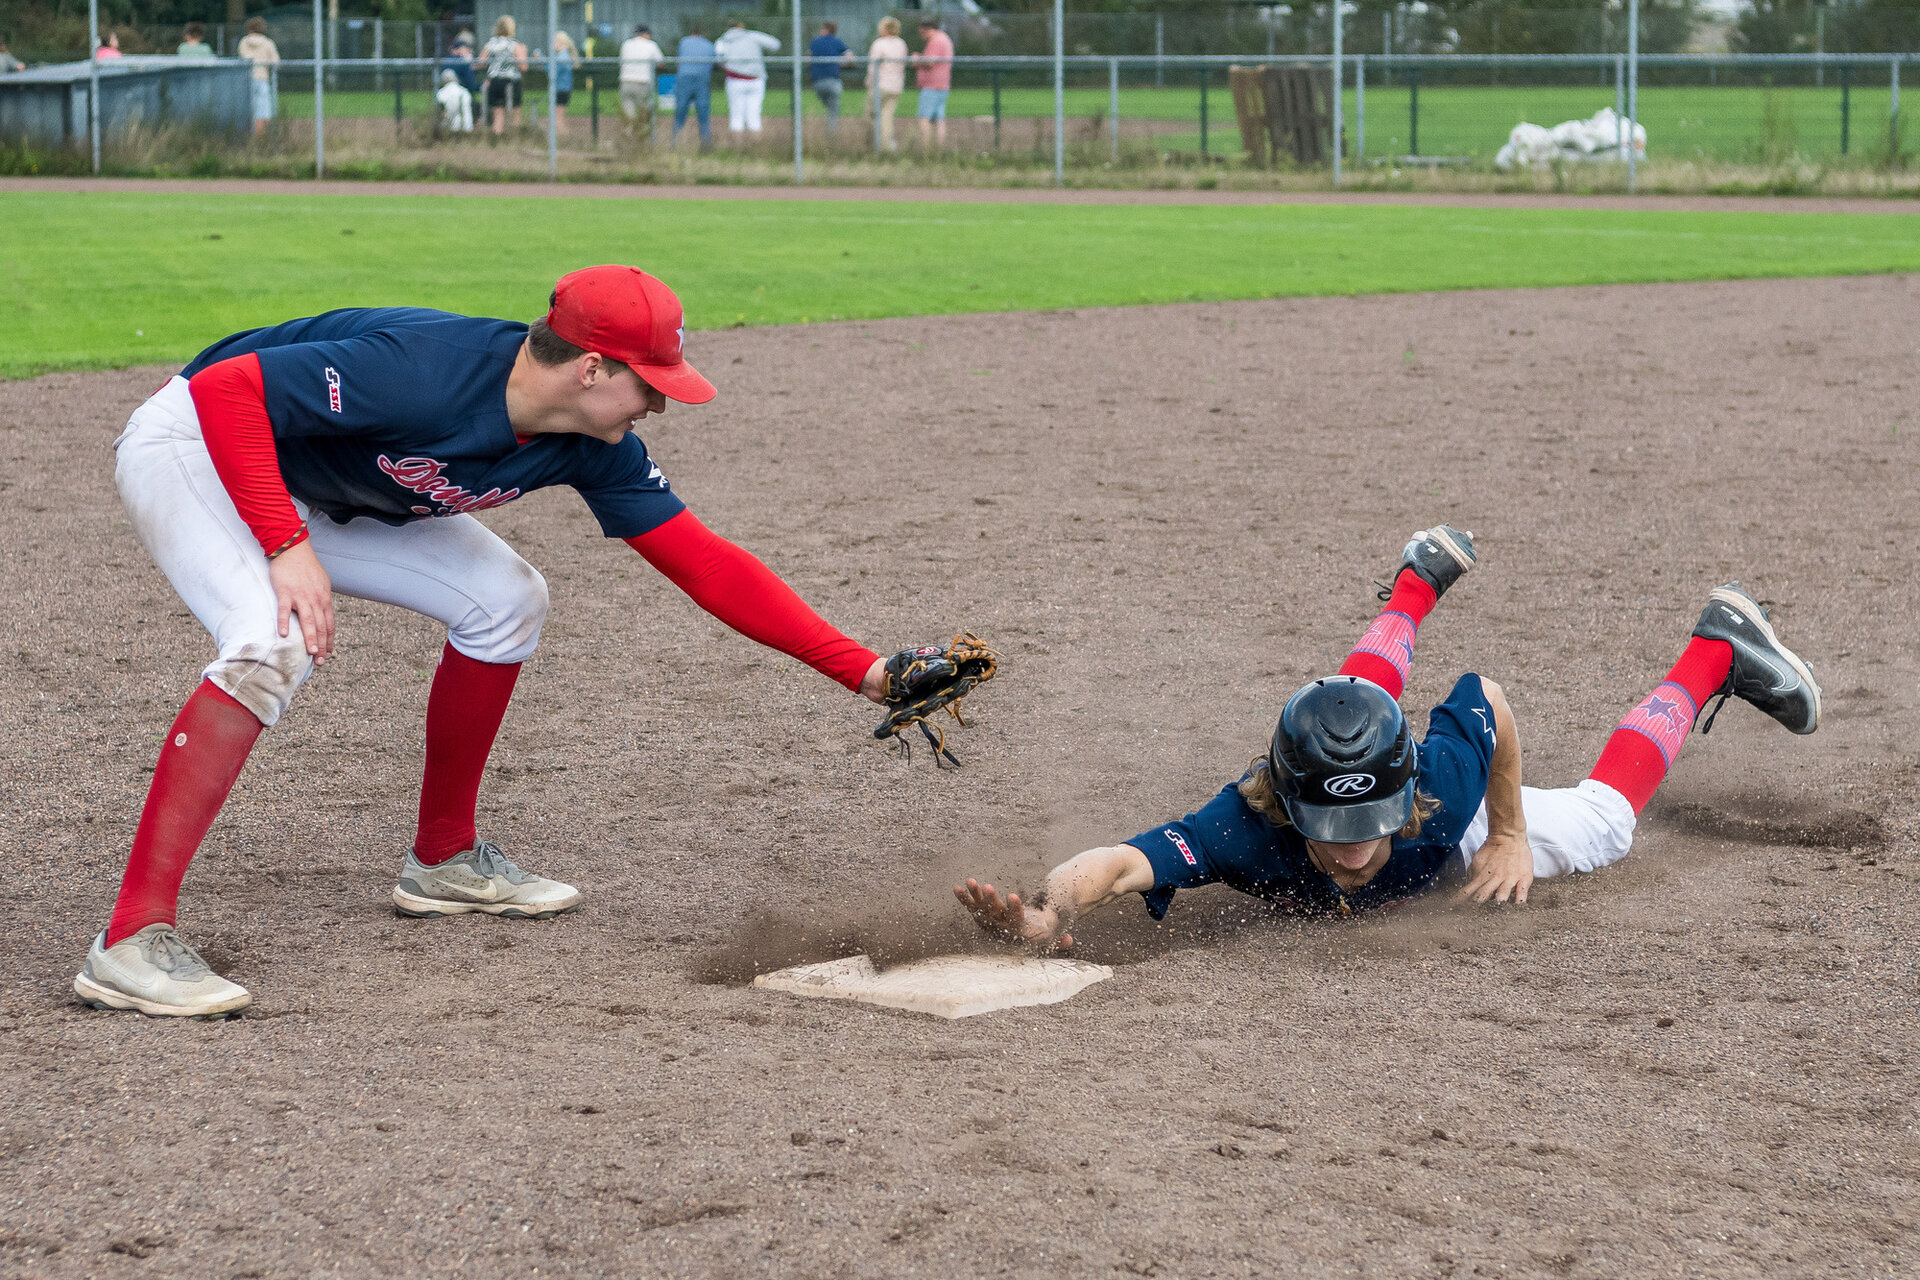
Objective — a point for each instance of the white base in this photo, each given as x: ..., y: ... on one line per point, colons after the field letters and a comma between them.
x: 945, y: 986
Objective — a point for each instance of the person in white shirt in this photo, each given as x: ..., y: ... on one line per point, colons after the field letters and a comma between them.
x: 743, y: 57
x: 456, y: 104
x: 887, y: 77
x: 639, y: 57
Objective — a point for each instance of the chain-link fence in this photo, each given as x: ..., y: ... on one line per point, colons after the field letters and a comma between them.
x: 395, y: 116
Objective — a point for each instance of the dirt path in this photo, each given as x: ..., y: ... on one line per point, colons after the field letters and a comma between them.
x: 1024, y: 195
x: 1700, y: 1061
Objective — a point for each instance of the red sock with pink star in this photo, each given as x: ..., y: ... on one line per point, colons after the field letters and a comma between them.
x: 1385, y: 653
x: 1643, y: 747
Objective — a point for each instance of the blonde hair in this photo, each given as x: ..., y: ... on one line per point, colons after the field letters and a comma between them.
x: 1257, y: 790
x: 561, y: 40
x: 889, y: 26
x: 504, y: 27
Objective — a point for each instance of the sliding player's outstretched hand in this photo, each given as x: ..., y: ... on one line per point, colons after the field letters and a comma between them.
x: 1502, y: 869
x: 1010, y: 920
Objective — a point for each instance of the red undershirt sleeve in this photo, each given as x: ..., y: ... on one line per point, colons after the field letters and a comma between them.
x: 733, y: 586
x: 231, y: 400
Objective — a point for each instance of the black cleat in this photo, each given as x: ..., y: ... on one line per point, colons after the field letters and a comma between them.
x: 1439, y: 555
x: 1765, y: 672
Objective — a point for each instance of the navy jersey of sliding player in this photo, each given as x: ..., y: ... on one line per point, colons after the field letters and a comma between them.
x: 1227, y: 842
x: 400, y: 414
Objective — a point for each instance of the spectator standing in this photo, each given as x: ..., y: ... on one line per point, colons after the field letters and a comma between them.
x: 109, y: 48
x: 693, y: 84
x: 933, y: 75
x: 261, y: 51
x: 830, y: 54
x: 456, y: 104
x: 640, y: 59
x: 506, y: 62
x: 8, y: 63
x: 743, y: 59
x: 195, y: 45
x: 887, y: 77
x: 564, y: 56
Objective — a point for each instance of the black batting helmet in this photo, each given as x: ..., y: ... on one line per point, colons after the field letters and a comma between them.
x: 1343, y: 761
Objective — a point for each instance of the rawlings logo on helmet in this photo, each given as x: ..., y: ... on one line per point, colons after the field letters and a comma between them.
x: 1349, y: 784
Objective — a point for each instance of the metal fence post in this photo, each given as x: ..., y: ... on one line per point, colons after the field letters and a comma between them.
x: 1413, y: 110
x: 553, y: 90
x: 1159, y: 50
x: 1633, y: 93
x: 319, y: 94
x: 593, y: 106
x: 1360, y: 105
x: 799, y: 174
x: 1893, y: 112
x: 1059, y: 93
x: 1846, y: 104
x: 399, y: 108
x: 1113, y: 106
x: 93, y: 81
x: 379, y: 51
x: 993, y: 73
x: 1339, y: 114
x: 1204, y: 69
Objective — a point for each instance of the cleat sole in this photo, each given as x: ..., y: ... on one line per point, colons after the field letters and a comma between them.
x: 417, y: 908
x: 98, y: 996
x: 1749, y: 608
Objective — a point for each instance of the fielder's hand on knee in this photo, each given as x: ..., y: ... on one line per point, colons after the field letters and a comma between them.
x: 303, y: 588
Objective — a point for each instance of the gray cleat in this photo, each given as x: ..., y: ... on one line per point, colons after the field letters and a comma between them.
x: 155, y: 972
x: 1439, y: 555
x: 1765, y: 672
x: 482, y: 879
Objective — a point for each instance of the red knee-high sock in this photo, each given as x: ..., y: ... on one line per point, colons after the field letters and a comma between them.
x: 464, y: 711
x: 1385, y: 653
x: 199, y: 761
x: 1643, y: 747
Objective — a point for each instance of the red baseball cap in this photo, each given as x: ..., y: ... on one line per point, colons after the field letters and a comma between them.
x: 626, y: 315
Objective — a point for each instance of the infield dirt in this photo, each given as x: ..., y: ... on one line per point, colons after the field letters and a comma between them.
x: 1700, y: 1061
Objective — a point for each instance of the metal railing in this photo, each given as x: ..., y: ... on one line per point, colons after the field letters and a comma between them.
x: 1158, y: 88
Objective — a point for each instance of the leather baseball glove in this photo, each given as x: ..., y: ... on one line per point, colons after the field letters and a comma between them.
x: 922, y: 681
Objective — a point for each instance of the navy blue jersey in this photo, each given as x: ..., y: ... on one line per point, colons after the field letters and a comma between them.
x: 1227, y: 842
x: 400, y: 413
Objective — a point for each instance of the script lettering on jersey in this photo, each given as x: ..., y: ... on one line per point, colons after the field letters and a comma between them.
x: 333, y: 389
x: 426, y: 477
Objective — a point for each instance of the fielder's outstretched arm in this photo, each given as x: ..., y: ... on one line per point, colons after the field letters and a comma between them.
x: 734, y: 586
x: 1083, y: 883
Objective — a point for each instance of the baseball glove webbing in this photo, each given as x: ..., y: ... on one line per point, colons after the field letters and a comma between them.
x: 923, y: 681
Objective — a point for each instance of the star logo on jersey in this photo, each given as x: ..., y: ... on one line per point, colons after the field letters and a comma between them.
x: 1181, y: 845
x: 1486, y: 725
x: 1656, y: 705
x: 333, y: 389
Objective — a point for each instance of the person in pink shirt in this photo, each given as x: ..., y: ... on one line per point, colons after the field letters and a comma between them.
x: 109, y: 48
x: 933, y: 75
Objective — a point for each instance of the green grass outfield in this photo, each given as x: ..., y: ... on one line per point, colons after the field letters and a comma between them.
x: 103, y: 280
x: 1734, y: 123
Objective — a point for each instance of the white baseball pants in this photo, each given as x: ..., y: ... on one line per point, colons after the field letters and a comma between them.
x: 743, y: 104
x: 452, y: 569
x: 1571, y: 829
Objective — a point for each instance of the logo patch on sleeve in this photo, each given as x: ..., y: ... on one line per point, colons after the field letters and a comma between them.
x: 1181, y: 845
x: 333, y: 389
